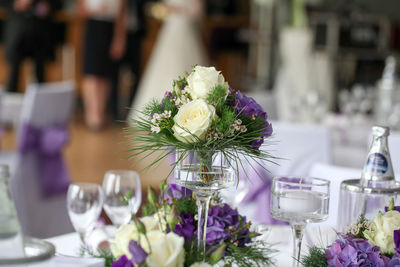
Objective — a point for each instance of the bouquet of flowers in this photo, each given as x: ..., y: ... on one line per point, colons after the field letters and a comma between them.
x: 202, y: 114
x: 373, y: 242
x: 166, y: 235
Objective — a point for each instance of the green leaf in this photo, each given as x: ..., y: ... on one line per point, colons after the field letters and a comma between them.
x: 151, y: 196
x: 315, y: 258
x: 252, y: 235
x: 391, y: 205
x: 139, y: 225
x: 163, y: 186
x: 128, y: 194
x: 218, y: 254
x: 123, y: 201
x: 217, y: 96
x: 172, y: 225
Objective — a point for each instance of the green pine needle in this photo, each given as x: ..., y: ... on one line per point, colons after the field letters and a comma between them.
x: 186, y: 206
x: 258, y: 253
x: 315, y: 258
x: 107, y: 256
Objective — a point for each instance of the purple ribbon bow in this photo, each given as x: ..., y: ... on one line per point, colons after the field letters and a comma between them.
x: 47, y: 144
x: 260, y: 193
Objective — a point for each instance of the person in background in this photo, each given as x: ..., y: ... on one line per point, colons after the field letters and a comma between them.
x: 135, y: 27
x: 178, y: 48
x: 28, y: 34
x: 104, y: 46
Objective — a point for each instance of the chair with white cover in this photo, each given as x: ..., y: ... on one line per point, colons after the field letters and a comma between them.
x: 335, y: 174
x: 39, y: 177
x: 297, y: 147
x: 10, y: 108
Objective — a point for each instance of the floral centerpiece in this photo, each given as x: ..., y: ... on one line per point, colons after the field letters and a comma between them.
x: 210, y: 127
x: 373, y: 242
x: 201, y: 113
x: 166, y: 235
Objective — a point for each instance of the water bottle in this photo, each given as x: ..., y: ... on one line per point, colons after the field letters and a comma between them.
x: 378, y: 169
x: 11, y: 241
x: 377, y: 172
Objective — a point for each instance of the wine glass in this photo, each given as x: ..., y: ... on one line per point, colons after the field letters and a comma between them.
x: 84, y: 203
x: 299, y: 201
x: 116, y: 185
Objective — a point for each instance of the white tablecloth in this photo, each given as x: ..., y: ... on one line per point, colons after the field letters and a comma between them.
x: 67, y: 246
x: 67, y: 254
x: 281, y: 238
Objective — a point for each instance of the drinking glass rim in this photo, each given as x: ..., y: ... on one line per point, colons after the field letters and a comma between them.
x: 323, y: 182
x: 116, y: 171
x: 84, y: 184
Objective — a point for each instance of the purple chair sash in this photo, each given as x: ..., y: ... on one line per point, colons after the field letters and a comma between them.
x: 47, y: 143
x: 260, y: 193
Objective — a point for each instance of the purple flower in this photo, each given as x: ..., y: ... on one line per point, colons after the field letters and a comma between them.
x: 340, y: 254
x: 138, y: 256
x: 168, y: 94
x: 168, y: 97
x: 396, y: 237
x: 185, y: 229
x: 176, y: 191
x: 348, y: 251
x: 394, y: 261
x: 122, y: 262
x: 222, y: 222
x: 394, y: 208
x: 248, y: 107
x: 138, y: 253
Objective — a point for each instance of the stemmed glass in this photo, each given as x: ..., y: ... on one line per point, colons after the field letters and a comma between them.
x: 205, y: 174
x: 299, y: 201
x: 84, y: 203
x: 116, y: 184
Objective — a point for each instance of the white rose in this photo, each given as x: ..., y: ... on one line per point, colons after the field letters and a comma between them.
x: 127, y: 232
x: 381, y: 233
x: 166, y: 249
x: 200, y: 264
x: 203, y: 80
x: 193, y: 120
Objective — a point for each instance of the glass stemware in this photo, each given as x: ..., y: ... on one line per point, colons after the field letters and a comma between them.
x: 84, y: 203
x: 116, y: 184
x: 205, y: 174
x: 299, y: 201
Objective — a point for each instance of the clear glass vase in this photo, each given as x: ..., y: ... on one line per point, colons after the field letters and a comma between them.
x: 205, y: 173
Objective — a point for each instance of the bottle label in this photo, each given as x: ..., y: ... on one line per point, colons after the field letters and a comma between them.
x: 376, y: 164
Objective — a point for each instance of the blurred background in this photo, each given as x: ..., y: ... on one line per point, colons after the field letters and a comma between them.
x: 331, y: 63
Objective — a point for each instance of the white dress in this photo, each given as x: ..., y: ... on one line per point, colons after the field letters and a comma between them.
x: 109, y: 9
x: 178, y: 48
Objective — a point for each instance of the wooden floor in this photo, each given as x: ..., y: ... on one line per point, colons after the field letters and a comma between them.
x: 90, y: 154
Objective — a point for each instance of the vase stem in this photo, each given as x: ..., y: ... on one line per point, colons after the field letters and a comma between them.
x: 203, y: 202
